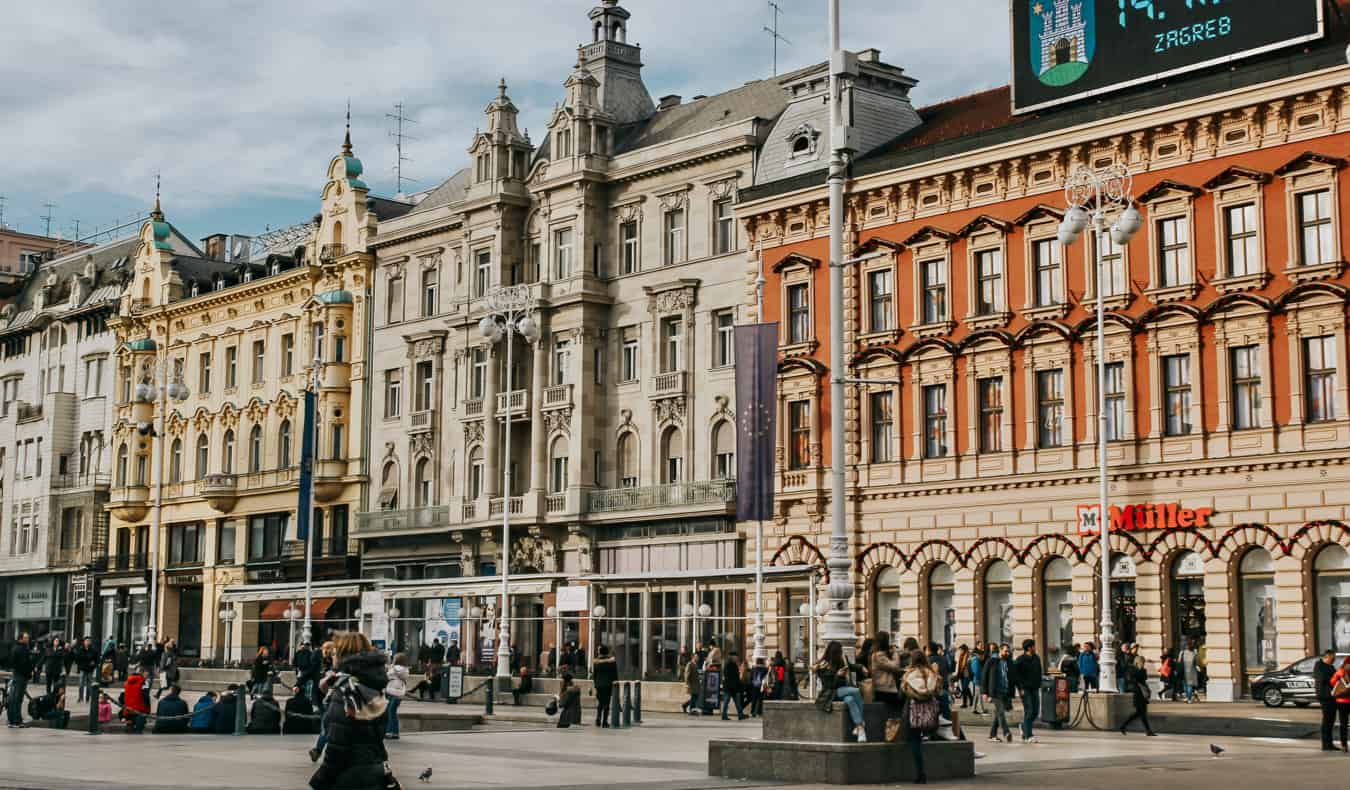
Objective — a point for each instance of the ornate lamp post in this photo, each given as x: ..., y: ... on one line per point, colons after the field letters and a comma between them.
x: 509, y: 308
x: 227, y: 617
x: 161, y: 381
x: 1101, y: 198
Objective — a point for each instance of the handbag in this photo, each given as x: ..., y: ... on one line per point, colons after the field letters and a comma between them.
x: 922, y: 715
x: 893, y: 728
x: 1341, y: 687
x: 868, y: 691
x: 551, y: 709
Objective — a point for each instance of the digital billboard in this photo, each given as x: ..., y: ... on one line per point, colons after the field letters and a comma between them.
x: 1064, y: 50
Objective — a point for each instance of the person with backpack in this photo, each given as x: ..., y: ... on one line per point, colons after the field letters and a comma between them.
x: 1068, y: 667
x: 691, y: 686
x: 1340, y: 690
x: 920, y: 685
x: 51, y: 707
x: 1167, y: 674
x: 838, y: 681
x: 200, y: 723
x: 171, y: 714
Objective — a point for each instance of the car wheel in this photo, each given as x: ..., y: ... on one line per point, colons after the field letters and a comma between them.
x: 1273, y: 697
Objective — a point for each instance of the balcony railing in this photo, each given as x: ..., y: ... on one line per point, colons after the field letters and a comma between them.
x: 87, y: 480
x: 618, y: 500
x: 555, y: 503
x: 331, y: 252
x: 469, y: 511
x: 385, y: 522
x: 558, y: 397
x: 669, y: 384
x: 517, y: 400
x: 423, y: 421
x: 473, y: 407
x: 140, y: 305
x: 517, y: 506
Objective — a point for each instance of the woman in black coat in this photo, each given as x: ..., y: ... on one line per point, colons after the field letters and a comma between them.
x: 569, y: 702
x: 262, y: 671
x: 355, y: 718
x: 1136, y: 682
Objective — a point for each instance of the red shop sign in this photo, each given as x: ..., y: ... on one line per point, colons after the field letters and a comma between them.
x: 1133, y: 518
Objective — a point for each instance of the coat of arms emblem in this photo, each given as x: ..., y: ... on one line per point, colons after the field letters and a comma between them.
x: 1063, y: 39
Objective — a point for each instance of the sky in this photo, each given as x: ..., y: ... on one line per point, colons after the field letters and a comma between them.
x: 238, y: 105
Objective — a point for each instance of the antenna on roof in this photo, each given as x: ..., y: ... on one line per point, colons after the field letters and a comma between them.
x: 47, y: 218
x: 775, y: 35
x: 399, y: 118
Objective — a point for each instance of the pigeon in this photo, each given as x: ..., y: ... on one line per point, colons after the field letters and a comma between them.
x: 425, y: 776
x: 1215, y: 749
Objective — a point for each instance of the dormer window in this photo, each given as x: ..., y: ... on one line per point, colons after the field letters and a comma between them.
x: 248, y: 275
x: 196, y: 288
x: 276, y: 267
x: 803, y: 144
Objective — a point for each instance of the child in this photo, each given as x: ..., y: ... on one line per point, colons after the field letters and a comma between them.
x: 104, y: 710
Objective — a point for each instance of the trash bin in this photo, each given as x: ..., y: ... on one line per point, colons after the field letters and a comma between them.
x: 1055, y: 701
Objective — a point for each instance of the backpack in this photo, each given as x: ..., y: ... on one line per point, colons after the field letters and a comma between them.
x: 922, y: 715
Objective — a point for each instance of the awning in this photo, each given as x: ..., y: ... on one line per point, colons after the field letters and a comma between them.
x: 292, y: 591
x: 276, y: 610
x: 471, y: 586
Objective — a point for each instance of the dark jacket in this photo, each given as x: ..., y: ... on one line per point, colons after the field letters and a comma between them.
x: 86, y: 658
x: 997, y: 679
x: 262, y: 669
x: 265, y: 718
x: 1027, y: 672
x: 22, y: 662
x: 605, y: 671
x: 356, y: 716
x: 1322, y: 680
x: 308, y: 664
x: 172, y: 705
x: 436, y: 653
x: 1136, y: 682
x: 54, y: 662
x: 300, y: 719
x: 569, y: 707
x: 222, y: 718
x: 202, y: 713
x: 731, y: 677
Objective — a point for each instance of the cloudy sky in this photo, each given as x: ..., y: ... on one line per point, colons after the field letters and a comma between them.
x: 239, y: 103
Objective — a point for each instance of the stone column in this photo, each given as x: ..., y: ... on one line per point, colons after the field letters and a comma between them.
x: 1148, y: 601
x: 966, y: 599
x: 1221, y: 651
x: 492, y: 462
x: 1293, y: 641
x: 538, y: 430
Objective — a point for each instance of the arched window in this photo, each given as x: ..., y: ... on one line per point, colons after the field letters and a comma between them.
x: 123, y: 456
x: 1124, y: 603
x: 337, y: 232
x: 1188, y: 599
x: 203, y: 455
x: 284, y: 445
x: 176, y: 461
x: 227, y: 454
x: 724, y: 451
x: 998, y: 605
x: 941, y: 604
x: 1260, y: 629
x: 422, y: 483
x: 389, y: 487
x: 672, y: 456
x: 255, y: 449
x: 557, y: 479
x: 1057, y: 609
x: 1331, y: 572
x: 628, y: 461
x: 886, y: 601
x: 477, y: 473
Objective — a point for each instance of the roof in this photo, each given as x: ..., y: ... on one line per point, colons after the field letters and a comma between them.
x: 387, y: 208
x: 451, y: 190
x: 985, y: 119
x: 110, y: 264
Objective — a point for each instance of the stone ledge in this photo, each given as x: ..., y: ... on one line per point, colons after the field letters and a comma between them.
x: 838, y: 763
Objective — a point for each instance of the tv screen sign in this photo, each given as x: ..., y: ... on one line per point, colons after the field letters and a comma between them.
x: 1065, y: 50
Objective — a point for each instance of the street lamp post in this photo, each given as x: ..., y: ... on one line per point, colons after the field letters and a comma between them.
x: 1101, y: 198
x: 227, y: 617
x: 161, y: 381
x: 315, y: 382
x: 510, y: 310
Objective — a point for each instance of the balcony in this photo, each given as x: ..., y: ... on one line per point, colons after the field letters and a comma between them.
x: 130, y: 503
x: 329, y: 253
x: 718, y: 493
x: 329, y: 475
x: 139, y: 305
x: 469, y: 511
x: 559, y: 397
x: 221, y: 491
x: 423, y: 421
x: 337, y: 375
x: 70, y: 482
x: 382, y: 523
x: 517, y: 400
x: 130, y: 562
x: 517, y: 506
x: 473, y: 408
x: 670, y: 384
x: 27, y: 412
x: 555, y: 503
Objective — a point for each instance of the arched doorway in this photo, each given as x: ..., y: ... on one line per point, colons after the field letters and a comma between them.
x: 1057, y: 609
x: 1124, y: 607
x: 1260, y: 629
x: 1063, y: 51
x: 1188, y: 600
x: 1331, y: 582
x: 998, y: 605
x: 941, y: 604
x: 886, y: 602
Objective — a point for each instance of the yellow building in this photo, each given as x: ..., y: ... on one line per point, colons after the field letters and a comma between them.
x: 242, y: 333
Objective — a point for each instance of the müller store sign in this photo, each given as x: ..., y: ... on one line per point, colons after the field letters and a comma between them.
x: 1136, y: 518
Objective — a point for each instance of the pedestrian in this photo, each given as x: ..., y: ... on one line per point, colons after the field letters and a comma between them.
x: 202, y: 712
x: 168, y: 666
x: 122, y: 662
x: 569, y: 702
x: 978, y: 660
x: 54, y: 664
x: 1028, y: 674
x: 691, y: 687
x: 1136, y: 681
x: 963, y: 674
x: 524, y: 687
x: 136, y: 700
x: 885, y: 671
x: 714, y: 658
x: 435, y: 659
x: 1068, y: 666
x: 1340, y: 689
x: 1189, y: 674
x: 265, y: 717
x: 604, y: 673
x: 1088, y: 668
x: 758, y: 674
x: 921, y: 685
x: 22, y: 664
x: 998, y: 689
x: 262, y: 670
x: 452, y: 653
x: 395, y: 688
x: 731, y: 686
x: 300, y: 718
x: 355, y: 717
x: 1323, y: 672
x: 308, y: 670
x: 86, y: 662
x: 839, y: 681
x: 171, y: 714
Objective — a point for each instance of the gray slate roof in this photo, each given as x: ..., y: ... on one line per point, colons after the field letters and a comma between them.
x: 451, y: 190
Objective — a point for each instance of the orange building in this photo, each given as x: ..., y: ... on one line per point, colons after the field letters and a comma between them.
x: 1227, y: 404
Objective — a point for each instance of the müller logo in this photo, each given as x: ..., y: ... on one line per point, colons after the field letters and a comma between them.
x: 1133, y: 518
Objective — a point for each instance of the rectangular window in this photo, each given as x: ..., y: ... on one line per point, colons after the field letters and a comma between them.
x: 724, y: 341
x: 881, y: 296
x: 475, y: 479
x: 562, y: 251
x: 1174, y: 252
x: 482, y: 272
x: 1240, y: 229
x: 991, y: 414
x: 339, y: 348
x: 1177, y: 394
x: 674, y: 225
x: 934, y: 284
x: 335, y: 445
x: 225, y: 544
x: 1049, y: 272
x: 186, y: 544
x: 316, y: 334
x: 337, y: 531
x: 393, y: 303
x: 1314, y: 228
x: 558, y: 476
x: 628, y: 238
x: 1113, y: 268
x: 935, y: 421
x: 597, y: 364
x: 430, y: 278
x: 989, y: 273
x: 1050, y: 408
x: 799, y: 434
x: 264, y: 537
x: 231, y: 367
x: 393, y: 393
x: 259, y: 360
x: 799, y: 313
x: 288, y: 354
x: 628, y: 362
x: 883, y: 427
x: 478, y: 376
x: 1115, y: 401
x: 1245, y: 370
x: 672, y: 345
x: 426, y: 382
x: 562, y: 363
x: 1319, y: 361
x: 725, y: 232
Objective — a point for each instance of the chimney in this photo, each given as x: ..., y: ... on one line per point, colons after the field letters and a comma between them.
x: 667, y: 102
x: 872, y: 55
x: 216, y: 246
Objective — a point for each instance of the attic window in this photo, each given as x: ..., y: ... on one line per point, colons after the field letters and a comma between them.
x: 1167, y: 149
x: 1309, y: 119
x: 196, y: 288
x: 1235, y: 136
x: 248, y: 275
x: 802, y: 143
x: 276, y: 267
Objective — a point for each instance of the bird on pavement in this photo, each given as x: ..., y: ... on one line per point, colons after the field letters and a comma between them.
x: 425, y: 776
x: 1215, y: 749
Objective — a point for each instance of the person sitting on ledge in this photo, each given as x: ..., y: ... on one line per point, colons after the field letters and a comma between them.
x: 265, y: 718
x: 202, y: 712
x: 300, y: 718
x: 222, y: 719
x: 171, y: 713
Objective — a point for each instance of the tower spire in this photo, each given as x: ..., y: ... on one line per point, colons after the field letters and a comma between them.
x: 156, y: 212
x: 347, y: 140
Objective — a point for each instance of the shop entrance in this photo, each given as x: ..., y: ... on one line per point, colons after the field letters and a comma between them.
x: 1188, y: 601
x: 1123, y: 605
x: 190, y: 621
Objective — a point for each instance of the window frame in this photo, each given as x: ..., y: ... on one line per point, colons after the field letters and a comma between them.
x: 936, y: 416
x: 1181, y: 388
x: 990, y: 414
x: 675, y: 236
x: 881, y: 427
x: 724, y: 338
x: 1051, y: 401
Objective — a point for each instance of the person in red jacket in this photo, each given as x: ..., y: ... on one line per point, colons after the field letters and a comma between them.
x: 136, y: 700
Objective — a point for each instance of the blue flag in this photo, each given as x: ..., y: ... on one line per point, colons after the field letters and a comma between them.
x: 306, y: 468
x: 757, y: 416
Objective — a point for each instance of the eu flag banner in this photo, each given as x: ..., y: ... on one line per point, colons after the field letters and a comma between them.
x: 306, y: 468
x: 757, y: 417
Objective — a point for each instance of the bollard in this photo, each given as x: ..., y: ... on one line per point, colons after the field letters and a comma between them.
x: 93, y: 708
x: 487, y: 705
x: 445, y: 685
x: 241, y: 701
x: 615, y: 709
x: 637, y: 702
x: 628, y: 704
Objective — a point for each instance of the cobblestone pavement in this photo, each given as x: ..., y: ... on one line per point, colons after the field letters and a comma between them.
x: 668, y: 755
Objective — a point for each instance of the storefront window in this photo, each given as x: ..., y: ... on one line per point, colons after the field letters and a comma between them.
x: 998, y: 606
x: 886, y: 598
x: 726, y: 623
x: 666, y: 635
x: 1124, y: 605
x: 1057, y: 610
x: 941, y: 606
x: 621, y: 631
x: 1188, y: 600
x: 1331, y: 571
x: 1260, y: 632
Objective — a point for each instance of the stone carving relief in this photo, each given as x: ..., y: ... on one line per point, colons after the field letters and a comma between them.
x: 558, y: 420
x: 674, y: 301
x: 630, y: 213
x: 670, y: 410
x: 473, y: 431
x: 532, y: 554
x: 428, y: 347
x: 422, y: 444
x: 674, y: 200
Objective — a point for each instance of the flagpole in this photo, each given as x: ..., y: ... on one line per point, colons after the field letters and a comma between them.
x: 307, y: 631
